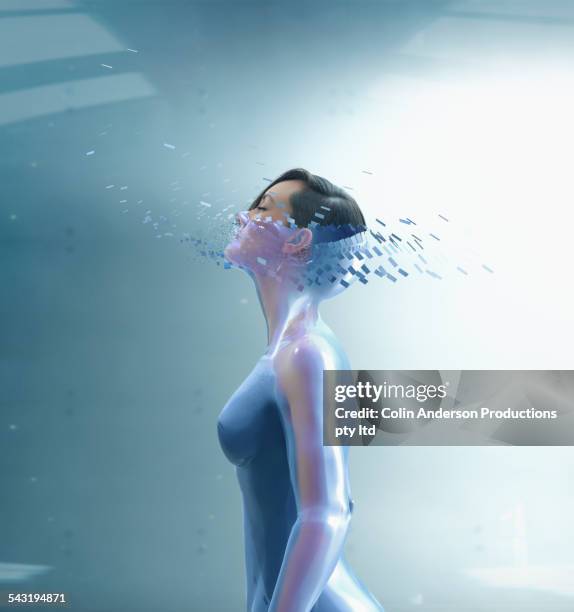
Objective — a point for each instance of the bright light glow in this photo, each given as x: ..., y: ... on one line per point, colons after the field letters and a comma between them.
x: 558, y: 579
x: 491, y: 152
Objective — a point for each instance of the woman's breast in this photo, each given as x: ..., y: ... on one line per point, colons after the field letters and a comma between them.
x: 250, y: 416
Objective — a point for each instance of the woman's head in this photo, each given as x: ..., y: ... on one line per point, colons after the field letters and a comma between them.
x: 285, y: 223
x: 311, y: 198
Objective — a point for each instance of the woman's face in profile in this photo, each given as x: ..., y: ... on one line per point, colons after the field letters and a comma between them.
x: 263, y: 230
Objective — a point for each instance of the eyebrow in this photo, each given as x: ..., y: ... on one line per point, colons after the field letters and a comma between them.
x: 269, y: 195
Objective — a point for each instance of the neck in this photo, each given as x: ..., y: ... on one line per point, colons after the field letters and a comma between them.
x: 288, y: 312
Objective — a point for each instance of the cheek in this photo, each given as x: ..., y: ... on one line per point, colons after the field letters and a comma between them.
x: 261, y: 238
x: 255, y: 242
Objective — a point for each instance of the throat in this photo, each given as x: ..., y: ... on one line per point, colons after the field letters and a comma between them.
x: 289, y: 313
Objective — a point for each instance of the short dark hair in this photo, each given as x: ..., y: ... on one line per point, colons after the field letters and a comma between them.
x: 319, y: 201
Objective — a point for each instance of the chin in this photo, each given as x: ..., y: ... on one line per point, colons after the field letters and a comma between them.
x: 232, y: 254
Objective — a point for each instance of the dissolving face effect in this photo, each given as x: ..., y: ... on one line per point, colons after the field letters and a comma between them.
x: 325, y: 258
x: 298, y: 256
x: 259, y: 244
x: 267, y: 240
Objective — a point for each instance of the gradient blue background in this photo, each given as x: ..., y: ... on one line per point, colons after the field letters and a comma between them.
x: 118, y: 349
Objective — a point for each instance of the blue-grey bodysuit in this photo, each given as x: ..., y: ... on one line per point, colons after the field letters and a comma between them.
x: 256, y: 432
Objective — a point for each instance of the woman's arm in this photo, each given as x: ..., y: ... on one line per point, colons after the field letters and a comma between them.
x: 318, y: 476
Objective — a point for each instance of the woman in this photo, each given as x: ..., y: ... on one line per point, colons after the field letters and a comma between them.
x: 296, y: 495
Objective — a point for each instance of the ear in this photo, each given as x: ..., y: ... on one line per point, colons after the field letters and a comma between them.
x: 301, y: 238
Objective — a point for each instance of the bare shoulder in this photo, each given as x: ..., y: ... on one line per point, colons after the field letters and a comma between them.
x: 306, y: 356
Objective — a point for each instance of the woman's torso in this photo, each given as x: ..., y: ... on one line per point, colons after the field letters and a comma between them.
x: 251, y: 435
